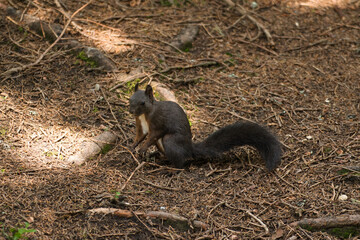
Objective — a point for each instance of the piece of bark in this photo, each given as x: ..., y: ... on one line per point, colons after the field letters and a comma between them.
x: 92, y: 147
x: 51, y: 31
x: 185, y: 38
x: 328, y: 222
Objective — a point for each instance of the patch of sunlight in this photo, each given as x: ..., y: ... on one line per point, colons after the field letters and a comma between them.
x: 36, y: 137
x: 323, y: 3
x: 50, y: 146
x: 109, y: 40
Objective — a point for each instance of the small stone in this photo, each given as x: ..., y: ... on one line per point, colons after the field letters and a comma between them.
x: 343, y: 197
x: 234, y: 237
x: 254, y: 5
x: 97, y: 87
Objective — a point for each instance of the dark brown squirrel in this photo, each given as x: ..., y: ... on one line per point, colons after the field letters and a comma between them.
x: 165, y: 125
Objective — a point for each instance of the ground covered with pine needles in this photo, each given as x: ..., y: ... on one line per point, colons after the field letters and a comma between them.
x: 304, y: 87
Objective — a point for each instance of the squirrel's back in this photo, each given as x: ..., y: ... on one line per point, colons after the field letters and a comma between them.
x: 171, y: 116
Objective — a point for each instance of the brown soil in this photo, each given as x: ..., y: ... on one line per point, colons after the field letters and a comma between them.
x: 305, y: 88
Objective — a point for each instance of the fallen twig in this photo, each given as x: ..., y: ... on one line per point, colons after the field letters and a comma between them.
x: 151, y: 214
x: 259, y: 46
x: 131, y: 153
x: 161, y: 168
x: 328, y: 222
x: 355, y: 169
x: 161, y: 187
x: 142, y: 75
x: 112, y: 113
x: 131, y: 175
x: 259, y: 221
x: 307, y: 46
x: 67, y: 15
x: 115, y: 211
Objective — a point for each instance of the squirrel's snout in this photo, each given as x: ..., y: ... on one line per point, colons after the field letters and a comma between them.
x: 132, y: 110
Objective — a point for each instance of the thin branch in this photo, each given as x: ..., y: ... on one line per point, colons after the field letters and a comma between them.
x: 132, y: 174
x: 128, y: 150
x: 67, y: 15
x: 243, y: 11
x: 158, y: 186
x: 142, y: 75
x: 258, y: 220
x: 112, y: 113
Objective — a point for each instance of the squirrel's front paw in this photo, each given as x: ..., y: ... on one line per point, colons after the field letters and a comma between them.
x: 142, y: 151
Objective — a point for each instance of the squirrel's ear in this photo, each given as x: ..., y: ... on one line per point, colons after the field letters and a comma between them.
x: 136, y: 86
x: 149, y: 93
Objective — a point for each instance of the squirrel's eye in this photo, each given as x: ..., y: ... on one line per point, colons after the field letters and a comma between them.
x: 142, y: 103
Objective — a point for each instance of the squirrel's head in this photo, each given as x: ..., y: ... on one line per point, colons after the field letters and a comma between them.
x: 141, y: 101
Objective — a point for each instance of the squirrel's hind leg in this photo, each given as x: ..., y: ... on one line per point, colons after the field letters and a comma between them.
x: 177, y: 149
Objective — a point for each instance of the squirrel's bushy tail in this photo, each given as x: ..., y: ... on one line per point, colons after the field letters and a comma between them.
x: 240, y: 134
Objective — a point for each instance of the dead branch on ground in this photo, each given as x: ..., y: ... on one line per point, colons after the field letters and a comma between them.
x: 150, y: 214
x: 91, y: 148
x: 329, y: 222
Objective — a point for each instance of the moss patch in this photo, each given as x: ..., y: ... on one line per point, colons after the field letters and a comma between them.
x: 106, y: 148
x: 82, y: 56
x: 344, y: 232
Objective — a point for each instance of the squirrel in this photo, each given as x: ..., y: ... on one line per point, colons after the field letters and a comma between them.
x: 166, y: 125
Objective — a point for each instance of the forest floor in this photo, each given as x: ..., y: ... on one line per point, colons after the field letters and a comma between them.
x: 305, y: 88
